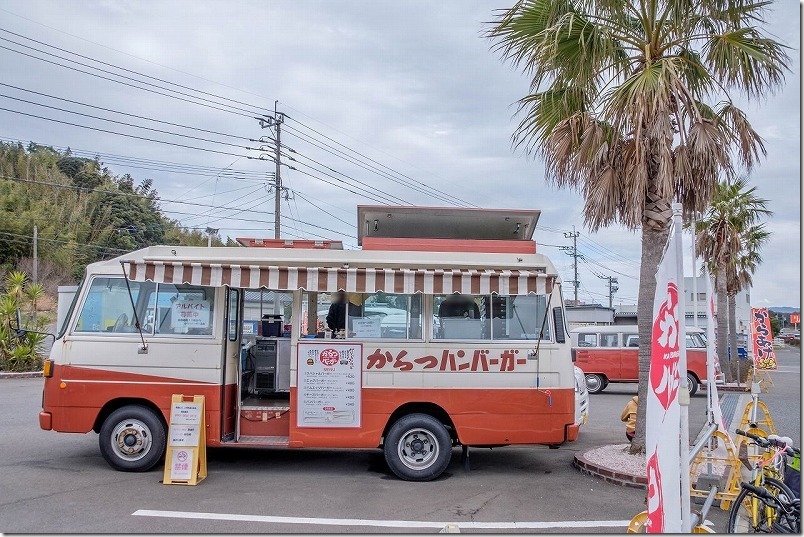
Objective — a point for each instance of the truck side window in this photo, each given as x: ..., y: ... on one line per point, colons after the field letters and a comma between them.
x: 107, y: 306
x: 608, y: 340
x: 587, y: 340
x: 184, y: 310
x: 632, y: 341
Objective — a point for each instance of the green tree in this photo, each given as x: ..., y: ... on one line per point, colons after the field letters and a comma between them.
x: 622, y: 109
x: 728, y: 237
x: 740, y: 274
x: 776, y: 325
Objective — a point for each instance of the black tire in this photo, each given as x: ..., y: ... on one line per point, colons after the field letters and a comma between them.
x: 417, y: 448
x: 132, y: 439
x: 739, y: 518
x: 595, y: 383
x: 692, y: 383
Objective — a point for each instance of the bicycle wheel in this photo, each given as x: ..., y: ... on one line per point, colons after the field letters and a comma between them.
x: 741, y: 519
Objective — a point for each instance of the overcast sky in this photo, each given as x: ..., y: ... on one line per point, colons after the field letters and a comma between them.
x: 411, y: 85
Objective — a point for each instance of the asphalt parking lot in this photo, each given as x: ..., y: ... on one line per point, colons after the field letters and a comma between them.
x: 55, y: 482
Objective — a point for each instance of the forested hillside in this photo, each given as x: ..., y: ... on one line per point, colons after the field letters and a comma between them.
x: 83, y: 212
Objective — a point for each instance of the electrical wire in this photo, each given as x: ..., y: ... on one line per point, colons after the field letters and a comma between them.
x: 123, y: 122
x: 129, y: 70
x: 116, y: 193
x: 126, y: 113
x: 329, y: 149
x: 369, y: 158
x: 234, y: 109
x: 126, y: 135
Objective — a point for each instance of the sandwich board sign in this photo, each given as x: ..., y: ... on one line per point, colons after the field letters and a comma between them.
x: 186, y: 457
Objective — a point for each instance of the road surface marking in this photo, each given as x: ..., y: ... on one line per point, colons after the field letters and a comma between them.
x: 383, y: 523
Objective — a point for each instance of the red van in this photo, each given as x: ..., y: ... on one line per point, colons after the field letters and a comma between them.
x: 610, y: 354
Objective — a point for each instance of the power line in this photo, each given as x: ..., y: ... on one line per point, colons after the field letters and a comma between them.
x: 432, y: 190
x: 388, y: 198
x: 364, y: 156
x: 132, y: 55
x: 123, y: 122
x: 586, y: 260
x: 233, y: 107
x: 125, y: 113
x: 57, y: 185
x: 130, y: 70
x: 63, y: 241
x: 340, y: 154
x: 123, y: 134
x: 126, y: 83
x: 156, y: 165
x: 117, y: 193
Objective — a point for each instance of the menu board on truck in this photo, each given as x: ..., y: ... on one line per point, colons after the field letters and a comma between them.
x: 329, y: 384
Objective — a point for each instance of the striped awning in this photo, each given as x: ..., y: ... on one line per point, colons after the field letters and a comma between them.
x: 356, y: 280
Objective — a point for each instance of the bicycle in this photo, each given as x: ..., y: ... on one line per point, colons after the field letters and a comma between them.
x: 768, y: 505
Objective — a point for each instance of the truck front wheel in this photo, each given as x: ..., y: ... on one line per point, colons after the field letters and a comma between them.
x: 132, y: 439
x: 417, y: 447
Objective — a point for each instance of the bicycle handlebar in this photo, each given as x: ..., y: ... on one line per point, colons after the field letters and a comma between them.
x: 769, y: 442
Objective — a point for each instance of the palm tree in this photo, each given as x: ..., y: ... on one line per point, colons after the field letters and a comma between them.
x: 739, y: 277
x: 727, y: 237
x: 622, y: 109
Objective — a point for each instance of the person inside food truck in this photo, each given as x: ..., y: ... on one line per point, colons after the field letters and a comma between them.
x: 336, y: 318
x: 456, y: 305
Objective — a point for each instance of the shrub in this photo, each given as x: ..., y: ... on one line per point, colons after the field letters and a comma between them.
x: 20, y: 352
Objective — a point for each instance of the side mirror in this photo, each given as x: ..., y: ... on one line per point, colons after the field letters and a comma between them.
x: 18, y: 332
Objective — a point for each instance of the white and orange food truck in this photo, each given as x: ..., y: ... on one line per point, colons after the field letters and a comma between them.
x: 454, y: 335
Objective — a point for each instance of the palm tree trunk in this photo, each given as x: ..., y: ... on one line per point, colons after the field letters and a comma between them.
x: 655, y: 229
x: 722, y: 323
x: 733, y: 332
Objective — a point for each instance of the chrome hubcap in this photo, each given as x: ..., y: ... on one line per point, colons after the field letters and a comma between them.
x: 132, y: 440
x: 418, y: 449
x: 593, y: 383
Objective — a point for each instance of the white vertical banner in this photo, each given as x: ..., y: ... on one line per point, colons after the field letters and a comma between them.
x: 663, y: 414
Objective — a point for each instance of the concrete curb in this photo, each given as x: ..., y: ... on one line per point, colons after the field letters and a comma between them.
x: 607, y: 474
x: 23, y: 375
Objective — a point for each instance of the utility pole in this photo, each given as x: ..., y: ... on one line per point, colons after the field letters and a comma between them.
x: 574, y: 236
x: 35, y: 255
x: 613, y: 287
x: 278, y: 119
x: 275, y: 122
x: 210, y: 231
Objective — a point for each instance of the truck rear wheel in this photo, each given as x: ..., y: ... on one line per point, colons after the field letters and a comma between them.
x: 417, y: 448
x: 132, y: 439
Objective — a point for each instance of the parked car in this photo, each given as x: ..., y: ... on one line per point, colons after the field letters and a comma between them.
x: 610, y: 354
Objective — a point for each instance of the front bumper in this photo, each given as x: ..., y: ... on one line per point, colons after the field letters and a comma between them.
x: 46, y: 421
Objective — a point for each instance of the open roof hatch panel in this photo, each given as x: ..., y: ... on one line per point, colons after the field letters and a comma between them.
x: 378, y: 221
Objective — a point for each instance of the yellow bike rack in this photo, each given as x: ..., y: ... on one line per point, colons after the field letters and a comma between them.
x: 732, y: 473
x: 639, y: 524
x: 766, y: 418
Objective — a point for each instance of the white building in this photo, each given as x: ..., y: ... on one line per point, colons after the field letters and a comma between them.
x: 626, y: 314
x: 743, y: 304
